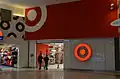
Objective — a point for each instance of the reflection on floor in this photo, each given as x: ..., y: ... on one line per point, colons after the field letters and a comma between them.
x: 55, y: 66
x: 55, y: 74
x: 6, y: 68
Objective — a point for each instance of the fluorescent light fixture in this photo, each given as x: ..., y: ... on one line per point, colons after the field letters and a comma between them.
x: 19, y: 15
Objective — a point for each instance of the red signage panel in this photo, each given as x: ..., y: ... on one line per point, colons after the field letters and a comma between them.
x: 81, y: 19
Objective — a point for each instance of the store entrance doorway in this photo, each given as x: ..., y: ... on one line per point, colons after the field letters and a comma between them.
x: 9, y: 55
x: 55, y: 52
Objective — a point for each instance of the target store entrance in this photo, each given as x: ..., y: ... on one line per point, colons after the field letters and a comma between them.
x: 55, y: 52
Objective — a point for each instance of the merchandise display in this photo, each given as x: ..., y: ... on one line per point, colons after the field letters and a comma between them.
x: 1, y: 35
x: 56, y: 53
x: 8, y: 56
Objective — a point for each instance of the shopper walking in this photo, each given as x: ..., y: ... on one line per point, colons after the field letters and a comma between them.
x: 46, y: 60
x: 40, y: 60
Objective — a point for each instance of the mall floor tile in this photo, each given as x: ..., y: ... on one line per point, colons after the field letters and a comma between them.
x: 56, y: 74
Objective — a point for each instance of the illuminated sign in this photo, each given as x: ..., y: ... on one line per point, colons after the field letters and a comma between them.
x: 83, y: 52
x: 1, y: 35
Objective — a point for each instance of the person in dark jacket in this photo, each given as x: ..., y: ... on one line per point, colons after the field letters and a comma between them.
x: 46, y: 59
x: 40, y: 60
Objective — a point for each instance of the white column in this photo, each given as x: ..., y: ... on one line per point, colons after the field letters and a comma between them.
x: 32, y: 53
x: 67, y: 54
x: 23, y: 54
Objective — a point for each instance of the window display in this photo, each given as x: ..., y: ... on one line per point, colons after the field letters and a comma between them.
x: 8, y: 56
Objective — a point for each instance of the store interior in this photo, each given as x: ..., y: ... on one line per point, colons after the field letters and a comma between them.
x: 55, y: 52
x: 9, y: 55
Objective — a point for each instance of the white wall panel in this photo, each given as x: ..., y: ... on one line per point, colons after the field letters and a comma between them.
x: 102, y: 57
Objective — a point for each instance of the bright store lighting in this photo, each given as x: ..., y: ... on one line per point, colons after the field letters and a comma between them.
x: 19, y: 15
x: 53, y: 50
x: 112, y: 4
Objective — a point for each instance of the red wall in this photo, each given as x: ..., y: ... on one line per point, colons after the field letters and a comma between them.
x: 41, y: 48
x: 82, y: 19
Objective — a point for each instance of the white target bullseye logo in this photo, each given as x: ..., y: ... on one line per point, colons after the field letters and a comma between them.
x: 35, y: 18
x: 32, y: 14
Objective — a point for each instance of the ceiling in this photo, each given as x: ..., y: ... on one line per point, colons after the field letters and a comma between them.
x: 30, y: 3
x: 18, y: 6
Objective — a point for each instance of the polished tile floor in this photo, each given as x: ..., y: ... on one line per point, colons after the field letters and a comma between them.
x: 58, y: 74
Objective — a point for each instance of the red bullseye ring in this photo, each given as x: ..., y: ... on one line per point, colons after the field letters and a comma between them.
x: 35, y: 18
x: 83, y: 52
